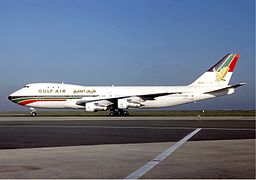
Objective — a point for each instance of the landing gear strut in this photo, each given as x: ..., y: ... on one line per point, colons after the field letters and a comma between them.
x: 33, y: 112
x: 123, y: 113
x: 118, y: 112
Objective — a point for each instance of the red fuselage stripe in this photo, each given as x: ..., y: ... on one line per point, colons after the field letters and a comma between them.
x: 36, y: 100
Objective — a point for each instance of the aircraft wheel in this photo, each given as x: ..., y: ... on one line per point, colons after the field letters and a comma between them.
x: 126, y: 113
x: 113, y: 113
x: 33, y: 114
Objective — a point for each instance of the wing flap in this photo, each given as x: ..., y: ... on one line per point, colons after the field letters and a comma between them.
x: 153, y: 96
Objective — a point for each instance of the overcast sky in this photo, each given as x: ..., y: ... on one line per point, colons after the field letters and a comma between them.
x: 126, y: 42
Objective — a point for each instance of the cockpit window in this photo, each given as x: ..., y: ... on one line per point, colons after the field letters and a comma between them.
x: 26, y: 86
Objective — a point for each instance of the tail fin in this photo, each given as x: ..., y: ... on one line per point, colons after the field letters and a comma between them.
x: 220, y: 73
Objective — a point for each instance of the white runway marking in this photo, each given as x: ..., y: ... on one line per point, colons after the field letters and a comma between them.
x: 148, y: 166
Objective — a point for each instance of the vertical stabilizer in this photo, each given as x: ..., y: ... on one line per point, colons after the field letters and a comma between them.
x: 219, y: 74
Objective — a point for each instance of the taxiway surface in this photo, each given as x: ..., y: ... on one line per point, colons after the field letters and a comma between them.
x: 106, y: 147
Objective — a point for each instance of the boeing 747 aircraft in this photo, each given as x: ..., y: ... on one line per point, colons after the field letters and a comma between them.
x: 118, y: 99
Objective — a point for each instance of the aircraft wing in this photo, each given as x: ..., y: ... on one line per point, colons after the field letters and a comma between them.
x: 144, y: 97
x: 153, y: 96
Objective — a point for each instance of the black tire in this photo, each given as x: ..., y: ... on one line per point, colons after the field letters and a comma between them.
x: 126, y: 113
x: 123, y: 113
x: 111, y: 113
x: 114, y: 113
x: 33, y: 114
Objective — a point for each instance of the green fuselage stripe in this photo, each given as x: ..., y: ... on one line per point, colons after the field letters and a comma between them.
x: 46, y: 98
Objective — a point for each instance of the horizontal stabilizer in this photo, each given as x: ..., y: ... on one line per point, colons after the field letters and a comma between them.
x: 226, y: 88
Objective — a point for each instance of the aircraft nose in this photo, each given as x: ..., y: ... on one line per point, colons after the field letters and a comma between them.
x: 10, y: 98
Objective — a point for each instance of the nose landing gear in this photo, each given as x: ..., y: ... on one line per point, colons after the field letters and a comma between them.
x: 33, y: 112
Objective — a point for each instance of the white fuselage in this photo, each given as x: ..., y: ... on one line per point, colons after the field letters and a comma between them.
x: 53, y: 95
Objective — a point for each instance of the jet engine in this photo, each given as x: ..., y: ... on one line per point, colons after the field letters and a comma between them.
x: 94, y: 107
x: 127, y: 103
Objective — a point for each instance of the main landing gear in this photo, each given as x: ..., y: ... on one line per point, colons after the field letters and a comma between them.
x: 33, y: 112
x: 118, y: 112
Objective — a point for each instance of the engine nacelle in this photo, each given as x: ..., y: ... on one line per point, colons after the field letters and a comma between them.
x: 127, y: 103
x: 94, y: 107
